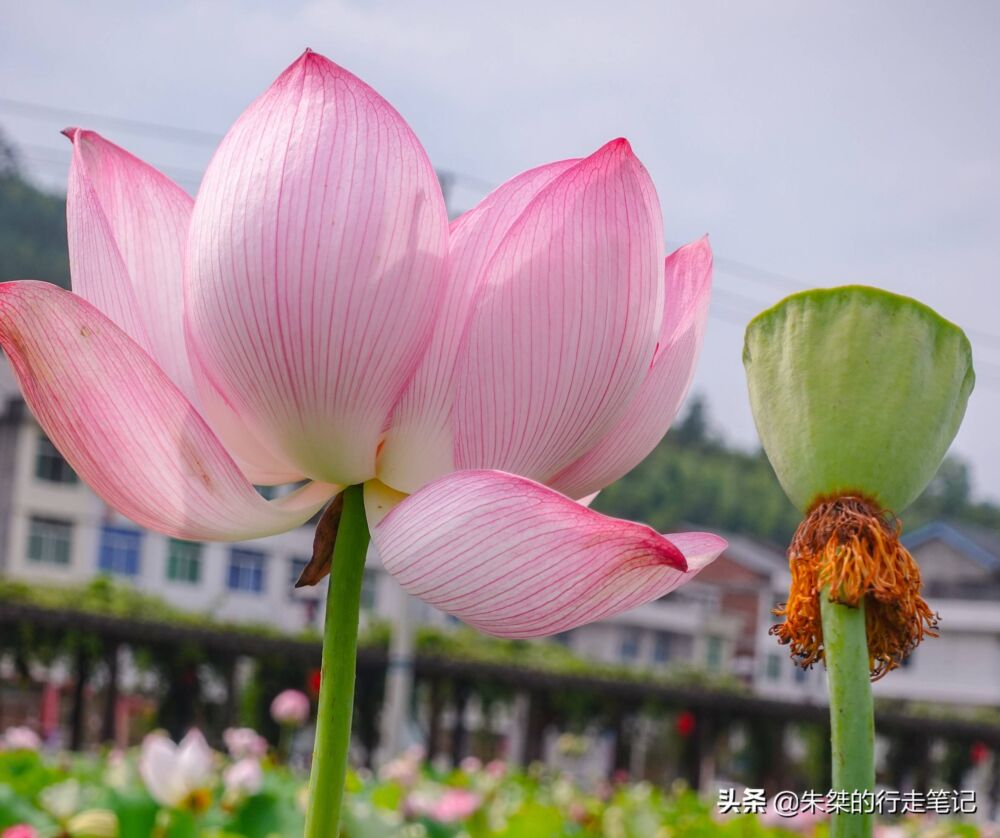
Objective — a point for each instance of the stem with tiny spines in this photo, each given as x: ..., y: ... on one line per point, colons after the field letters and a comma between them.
x: 340, y: 652
x: 852, y: 721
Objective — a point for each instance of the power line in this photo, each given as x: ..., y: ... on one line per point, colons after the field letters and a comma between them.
x: 191, y: 178
x: 60, y: 157
x: 163, y: 131
x: 32, y: 110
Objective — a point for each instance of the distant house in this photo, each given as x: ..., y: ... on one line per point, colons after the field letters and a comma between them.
x: 960, y: 567
x: 749, y: 580
x: 957, y: 561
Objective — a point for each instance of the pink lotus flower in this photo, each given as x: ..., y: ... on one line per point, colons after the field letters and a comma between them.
x: 312, y: 317
x: 20, y: 830
x: 244, y: 778
x: 291, y: 707
x: 20, y: 739
x: 178, y: 776
x: 244, y: 742
x: 453, y: 806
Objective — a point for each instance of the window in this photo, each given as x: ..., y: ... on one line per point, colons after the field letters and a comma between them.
x: 713, y: 653
x: 801, y: 675
x: 368, y: 590
x: 663, y: 646
x: 184, y: 561
x: 773, y: 667
x: 629, y: 649
x: 50, y: 465
x: 119, y: 552
x: 296, y: 567
x: 49, y: 540
x: 564, y: 638
x: 246, y: 571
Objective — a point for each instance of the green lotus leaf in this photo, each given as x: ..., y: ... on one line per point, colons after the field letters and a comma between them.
x: 854, y: 389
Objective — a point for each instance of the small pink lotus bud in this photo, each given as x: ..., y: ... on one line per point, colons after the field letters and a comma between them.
x: 290, y: 707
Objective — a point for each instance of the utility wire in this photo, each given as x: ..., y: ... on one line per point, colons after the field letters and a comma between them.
x: 191, y: 178
x: 32, y: 110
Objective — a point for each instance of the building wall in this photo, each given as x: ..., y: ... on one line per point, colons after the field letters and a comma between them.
x: 942, y: 564
x: 962, y: 666
x: 278, y: 604
x: 11, y: 420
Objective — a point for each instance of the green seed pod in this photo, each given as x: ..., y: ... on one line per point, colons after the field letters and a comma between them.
x: 856, y: 391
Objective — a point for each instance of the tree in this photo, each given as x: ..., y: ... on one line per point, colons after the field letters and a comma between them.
x: 32, y: 226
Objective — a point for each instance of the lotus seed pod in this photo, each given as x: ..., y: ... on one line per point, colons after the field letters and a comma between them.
x: 856, y: 391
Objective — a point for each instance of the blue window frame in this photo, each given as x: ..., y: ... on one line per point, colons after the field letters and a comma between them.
x: 119, y: 551
x: 630, y: 640
x: 663, y: 647
x: 246, y: 571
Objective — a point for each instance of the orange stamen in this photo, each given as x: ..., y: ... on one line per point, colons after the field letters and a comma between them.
x: 851, y: 547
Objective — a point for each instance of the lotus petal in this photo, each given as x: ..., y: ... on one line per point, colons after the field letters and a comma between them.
x: 420, y: 443
x: 316, y: 264
x: 688, y: 289
x: 128, y: 226
x: 566, y: 324
x: 127, y: 429
x: 516, y: 559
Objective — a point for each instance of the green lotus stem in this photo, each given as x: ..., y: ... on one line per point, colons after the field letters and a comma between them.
x: 340, y: 652
x: 852, y: 721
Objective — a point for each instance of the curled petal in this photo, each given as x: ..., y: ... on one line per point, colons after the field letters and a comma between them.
x: 127, y: 429
x: 419, y: 445
x: 566, y: 323
x: 127, y: 226
x: 316, y: 264
x: 688, y: 290
x: 515, y: 559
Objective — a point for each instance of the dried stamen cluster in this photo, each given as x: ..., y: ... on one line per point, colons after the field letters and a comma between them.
x: 850, y: 548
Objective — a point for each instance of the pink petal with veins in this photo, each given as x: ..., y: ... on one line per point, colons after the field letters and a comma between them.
x: 688, y: 290
x: 564, y: 329
x: 513, y: 558
x: 126, y: 428
x: 128, y: 226
x: 419, y: 446
x: 316, y: 265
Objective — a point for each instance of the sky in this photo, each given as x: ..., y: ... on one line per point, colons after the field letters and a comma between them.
x: 817, y: 144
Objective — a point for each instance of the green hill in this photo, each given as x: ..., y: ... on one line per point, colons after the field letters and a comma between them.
x: 32, y: 227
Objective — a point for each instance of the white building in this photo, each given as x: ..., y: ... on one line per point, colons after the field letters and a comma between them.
x: 960, y: 567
